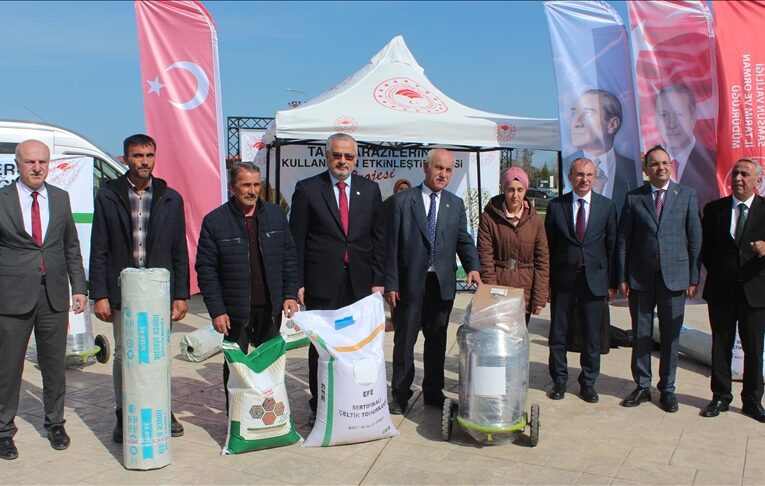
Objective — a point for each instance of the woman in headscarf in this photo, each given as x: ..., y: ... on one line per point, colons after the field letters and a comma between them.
x: 512, y: 245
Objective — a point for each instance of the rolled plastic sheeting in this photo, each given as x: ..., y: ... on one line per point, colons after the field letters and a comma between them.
x: 201, y: 344
x: 146, y: 368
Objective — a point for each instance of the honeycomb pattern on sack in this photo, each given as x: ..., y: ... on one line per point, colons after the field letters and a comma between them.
x: 268, y: 411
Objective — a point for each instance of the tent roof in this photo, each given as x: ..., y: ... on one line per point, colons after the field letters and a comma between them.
x: 391, y: 100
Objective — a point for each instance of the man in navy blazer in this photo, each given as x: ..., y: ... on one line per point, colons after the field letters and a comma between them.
x: 659, y: 256
x: 337, y: 267
x: 420, y: 276
x: 734, y: 255
x: 584, y: 277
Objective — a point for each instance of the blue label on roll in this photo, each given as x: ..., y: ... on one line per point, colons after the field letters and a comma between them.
x: 143, y: 337
x: 147, y: 442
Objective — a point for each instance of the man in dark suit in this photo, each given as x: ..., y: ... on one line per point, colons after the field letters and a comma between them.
x: 426, y: 227
x: 659, y: 255
x: 595, y: 120
x: 581, y: 235
x: 734, y: 255
x: 693, y: 164
x: 338, y: 226
x: 40, y: 255
x: 138, y: 222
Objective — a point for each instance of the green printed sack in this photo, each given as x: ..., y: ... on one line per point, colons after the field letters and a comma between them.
x: 259, y: 411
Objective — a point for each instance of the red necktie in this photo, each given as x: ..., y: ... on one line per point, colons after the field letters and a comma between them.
x: 37, y: 226
x: 343, y: 207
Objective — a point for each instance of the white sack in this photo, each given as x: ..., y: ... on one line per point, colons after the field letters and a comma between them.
x: 201, y: 344
x: 353, y: 399
x: 145, y: 367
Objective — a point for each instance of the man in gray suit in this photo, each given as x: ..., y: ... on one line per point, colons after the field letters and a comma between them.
x: 426, y: 226
x: 659, y: 256
x: 39, y: 258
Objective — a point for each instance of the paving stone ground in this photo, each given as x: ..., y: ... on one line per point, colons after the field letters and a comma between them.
x: 580, y: 443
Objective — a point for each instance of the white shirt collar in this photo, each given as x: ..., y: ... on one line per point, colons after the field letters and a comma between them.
x: 654, y: 188
x: 587, y: 197
x: 335, y: 180
x: 27, y: 191
x: 426, y: 191
x: 748, y: 202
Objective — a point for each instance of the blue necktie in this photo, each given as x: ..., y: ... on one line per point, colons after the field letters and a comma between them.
x: 432, y: 229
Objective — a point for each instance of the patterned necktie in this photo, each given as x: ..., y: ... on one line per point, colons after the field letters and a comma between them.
x: 37, y: 226
x: 659, y: 203
x: 675, y: 170
x: 581, y: 228
x: 600, y: 178
x: 741, y: 222
x: 343, y: 207
x: 432, y: 229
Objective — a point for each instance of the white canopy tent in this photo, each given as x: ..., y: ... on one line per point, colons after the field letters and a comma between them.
x: 390, y: 100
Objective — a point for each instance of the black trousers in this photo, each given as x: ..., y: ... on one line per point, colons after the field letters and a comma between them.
x: 591, y: 312
x: 50, y: 328
x: 258, y: 330
x: 431, y: 314
x: 723, y: 317
x: 345, y: 296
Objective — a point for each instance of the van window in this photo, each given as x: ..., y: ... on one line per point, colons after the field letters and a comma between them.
x: 8, y: 147
x: 102, y: 172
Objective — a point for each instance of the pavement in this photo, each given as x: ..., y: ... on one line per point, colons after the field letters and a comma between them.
x: 580, y: 443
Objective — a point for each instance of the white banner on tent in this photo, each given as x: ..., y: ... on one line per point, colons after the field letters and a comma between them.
x: 75, y: 176
x: 392, y: 168
x: 251, y: 146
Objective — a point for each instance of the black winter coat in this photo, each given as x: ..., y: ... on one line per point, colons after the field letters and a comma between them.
x: 223, y: 268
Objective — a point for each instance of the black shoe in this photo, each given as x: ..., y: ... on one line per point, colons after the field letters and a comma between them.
x: 714, y: 408
x: 589, y: 394
x: 558, y: 392
x: 397, y: 408
x: 668, y: 402
x: 754, y: 411
x: 58, y: 437
x: 117, y: 432
x: 8, y: 449
x: 176, y: 428
x: 434, y: 400
x: 638, y: 396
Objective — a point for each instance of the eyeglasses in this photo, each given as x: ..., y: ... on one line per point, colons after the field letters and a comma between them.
x: 341, y: 155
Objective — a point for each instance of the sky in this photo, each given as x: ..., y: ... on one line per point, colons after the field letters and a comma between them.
x: 76, y: 64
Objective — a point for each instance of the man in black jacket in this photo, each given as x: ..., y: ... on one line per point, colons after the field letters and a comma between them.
x: 246, y: 264
x: 138, y: 222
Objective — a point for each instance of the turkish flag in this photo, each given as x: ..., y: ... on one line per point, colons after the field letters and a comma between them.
x: 182, y: 104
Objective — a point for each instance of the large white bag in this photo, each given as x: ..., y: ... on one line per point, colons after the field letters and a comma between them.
x: 294, y: 337
x: 353, y: 399
x: 145, y: 367
x: 201, y: 344
x: 737, y: 360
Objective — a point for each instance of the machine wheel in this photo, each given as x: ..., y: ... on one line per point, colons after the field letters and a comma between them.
x: 446, y: 420
x: 534, y: 425
x: 104, y: 351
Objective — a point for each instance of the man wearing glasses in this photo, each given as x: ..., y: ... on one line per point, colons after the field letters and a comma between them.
x: 337, y: 223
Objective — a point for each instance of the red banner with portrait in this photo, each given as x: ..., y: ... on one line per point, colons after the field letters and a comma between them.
x: 674, y: 54
x: 741, y: 77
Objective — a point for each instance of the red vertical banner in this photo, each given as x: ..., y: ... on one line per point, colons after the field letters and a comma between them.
x: 182, y: 105
x: 674, y: 53
x: 741, y: 76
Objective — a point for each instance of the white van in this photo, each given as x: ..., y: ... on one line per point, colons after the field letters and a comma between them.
x: 61, y: 142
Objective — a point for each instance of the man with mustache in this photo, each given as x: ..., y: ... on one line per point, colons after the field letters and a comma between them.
x: 581, y: 235
x: 734, y: 256
x: 337, y: 222
x: 426, y: 227
x: 138, y: 222
x: 659, y: 257
x: 246, y: 264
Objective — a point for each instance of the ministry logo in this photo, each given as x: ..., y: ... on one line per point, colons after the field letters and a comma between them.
x: 346, y: 124
x: 504, y: 131
x: 404, y: 94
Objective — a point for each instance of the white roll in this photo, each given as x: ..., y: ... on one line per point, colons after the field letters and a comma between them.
x: 145, y: 367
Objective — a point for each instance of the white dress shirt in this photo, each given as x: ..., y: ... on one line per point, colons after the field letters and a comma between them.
x: 586, y: 198
x: 336, y: 190
x: 25, y: 200
x: 734, y: 213
x: 426, y: 192
x: 654, y: 189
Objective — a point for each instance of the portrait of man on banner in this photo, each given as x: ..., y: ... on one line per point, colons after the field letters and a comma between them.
x: 595, y: 120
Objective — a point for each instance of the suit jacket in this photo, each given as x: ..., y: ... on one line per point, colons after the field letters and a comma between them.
x: 675, y: 240
x: 725, y: 261
x: 20, y: 255
x: 625, y: 177
x: 700, y: 173
x: 408, y: 246
x: 111, y: 239
x: 598, y: 247
x: 321, y: 243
